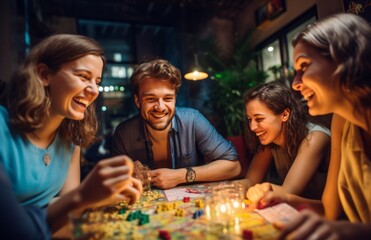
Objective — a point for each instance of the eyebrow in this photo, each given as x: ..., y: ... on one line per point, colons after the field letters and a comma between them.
x: 300, y: 56
x: 257, y: 115
x: 166, y: 95
x: 87, y: 71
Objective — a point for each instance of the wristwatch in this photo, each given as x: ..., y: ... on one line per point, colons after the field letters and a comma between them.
x: 190, y: 175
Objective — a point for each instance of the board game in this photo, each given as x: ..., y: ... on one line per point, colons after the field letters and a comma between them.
x: 172, y: 214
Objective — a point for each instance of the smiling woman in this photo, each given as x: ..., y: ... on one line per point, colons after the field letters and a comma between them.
x: 280, y: 133
x: 48, y: 115
x: 73, y: 87
x: 333, y: 55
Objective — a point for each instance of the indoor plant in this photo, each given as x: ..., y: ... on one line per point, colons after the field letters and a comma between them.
x: 231, y: 75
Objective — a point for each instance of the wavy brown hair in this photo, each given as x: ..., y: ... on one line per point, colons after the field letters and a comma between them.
x: 346, y: 40
x: 277, y: 97
x: 159, y: 69
x: 28, y: 100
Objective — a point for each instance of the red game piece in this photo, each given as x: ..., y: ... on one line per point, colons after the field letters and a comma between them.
x: 260, y: 206
x: 247, y: 234
x: 186, y: 199
x: 164, y: 235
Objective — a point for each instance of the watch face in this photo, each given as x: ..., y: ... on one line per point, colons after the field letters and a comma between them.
x: 191, y: 175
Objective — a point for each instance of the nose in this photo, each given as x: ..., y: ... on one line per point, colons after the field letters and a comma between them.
x: 92, y: 89
x: 297, y: 82
x: 159, y: 106
x: 253, y: 125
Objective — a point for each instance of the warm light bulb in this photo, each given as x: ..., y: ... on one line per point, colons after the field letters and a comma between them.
x: 196, y: 75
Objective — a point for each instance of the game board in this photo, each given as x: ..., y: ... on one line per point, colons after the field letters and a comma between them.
x: 154, y: 217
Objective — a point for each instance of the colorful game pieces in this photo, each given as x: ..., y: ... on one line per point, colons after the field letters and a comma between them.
x: 247, y: 234
x: 198, y: 214
x: 122, y: 211
x: 180, y: 212
x: 164, y: 235
x: 199, y: 203
x: 143, y: 218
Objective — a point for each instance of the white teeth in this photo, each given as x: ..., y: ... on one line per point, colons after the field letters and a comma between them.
x: 82, y: 101
x: 260, y: 133
x: 308, y: 96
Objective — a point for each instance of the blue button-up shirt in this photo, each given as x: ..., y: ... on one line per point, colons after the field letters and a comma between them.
x: 192, y: 140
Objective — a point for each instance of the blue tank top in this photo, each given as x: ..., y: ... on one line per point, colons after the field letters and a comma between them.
x: 32, y: 180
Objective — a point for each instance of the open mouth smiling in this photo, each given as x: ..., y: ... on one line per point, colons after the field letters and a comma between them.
x: 158, y: 115
x: 83, y: 102
x: 258, y: 134
x: 308, y: 96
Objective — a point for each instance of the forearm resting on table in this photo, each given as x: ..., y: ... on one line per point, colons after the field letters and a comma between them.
x: 218, y: 170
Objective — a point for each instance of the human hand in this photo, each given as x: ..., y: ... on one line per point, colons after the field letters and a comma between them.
x: 256, y: 192
x: 309, y: 225
x: 166, y: 178
x: 108, y: 178
x: 132, y: 193
x: 269, y: 198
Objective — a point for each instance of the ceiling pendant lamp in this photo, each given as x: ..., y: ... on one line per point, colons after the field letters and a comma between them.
x: 196, y: 73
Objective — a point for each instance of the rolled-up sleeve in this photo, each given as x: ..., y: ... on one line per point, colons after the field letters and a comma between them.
x: 210, y: 143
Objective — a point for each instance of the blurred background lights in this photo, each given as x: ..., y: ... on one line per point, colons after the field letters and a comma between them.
x: 111, y: 88
x: 117, y: 57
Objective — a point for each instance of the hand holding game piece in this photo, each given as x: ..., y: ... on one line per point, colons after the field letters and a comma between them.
x: 111, y: 180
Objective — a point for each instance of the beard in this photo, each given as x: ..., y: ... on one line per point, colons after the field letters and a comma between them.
x: 157, y: 126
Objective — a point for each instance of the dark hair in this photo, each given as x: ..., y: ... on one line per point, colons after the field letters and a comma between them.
x: 345, y: 39
x: 29, y: 103
x: 277, y: 97
x: 159, y: 69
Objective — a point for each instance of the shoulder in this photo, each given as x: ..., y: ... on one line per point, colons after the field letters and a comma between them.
x: 315, y: 127
x: 190, y: 116
x: 186, y: 112
x: 3, y: 113
x: 4, y: 119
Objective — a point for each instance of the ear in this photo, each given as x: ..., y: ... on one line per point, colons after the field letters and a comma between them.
x: 136, y: 100
x: 43, y: 73
x: 286, y: 115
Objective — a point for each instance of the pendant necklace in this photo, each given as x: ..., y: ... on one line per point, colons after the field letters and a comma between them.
x: 47, y: 158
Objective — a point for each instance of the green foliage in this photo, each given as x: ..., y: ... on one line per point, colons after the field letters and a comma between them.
x: 231, y: 76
